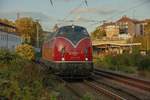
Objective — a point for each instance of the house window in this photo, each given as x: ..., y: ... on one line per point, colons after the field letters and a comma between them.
x: 123, y: 28
x: 141, y: 29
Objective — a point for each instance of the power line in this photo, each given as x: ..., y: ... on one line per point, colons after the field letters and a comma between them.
x: 98, y: 21
x: 51, y: 1
x: 126, y: 10
x: 72, y: 11
x: 129, y: 9
x: 86, y: 3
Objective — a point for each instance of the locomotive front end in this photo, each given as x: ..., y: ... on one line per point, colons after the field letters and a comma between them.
x: 73, y: 52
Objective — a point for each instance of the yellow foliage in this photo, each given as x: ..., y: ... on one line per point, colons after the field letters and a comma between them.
x: 26, y: 51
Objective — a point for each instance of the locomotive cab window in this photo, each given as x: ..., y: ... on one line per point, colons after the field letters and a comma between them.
x: 73, y: 33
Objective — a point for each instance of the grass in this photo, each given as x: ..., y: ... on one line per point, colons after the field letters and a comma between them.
x: 126, y: 63
x: 21, y: 79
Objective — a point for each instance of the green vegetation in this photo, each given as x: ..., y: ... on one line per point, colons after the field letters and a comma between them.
x: 87, y: 96
x: 128, y: 63
x: 27, y: 28
x: 21, y: 79
x: 7, y: 57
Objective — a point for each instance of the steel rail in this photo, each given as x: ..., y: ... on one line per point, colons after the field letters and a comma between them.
x: 104, y: 91
x: 137, y: 83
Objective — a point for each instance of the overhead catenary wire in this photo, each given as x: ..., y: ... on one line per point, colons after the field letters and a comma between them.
x: 97, y: 21
x: 71, y: 12
x: 130, y: 8
x: 122, y: 12
x: 51, y: 1
x: 86, y: 3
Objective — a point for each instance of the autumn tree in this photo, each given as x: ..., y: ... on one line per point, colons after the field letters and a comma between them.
x: 27, y: 29
x: 147, y: 28
x: 144, y: 40
x: 98, y: 33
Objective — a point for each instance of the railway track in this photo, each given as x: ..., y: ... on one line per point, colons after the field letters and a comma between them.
x: 103, y: 90
x: 68, y: 85
x: 134, y: 82
x: 132, y: 87
x: 94, y: 87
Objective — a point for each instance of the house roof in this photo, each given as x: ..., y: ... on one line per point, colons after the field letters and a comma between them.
x: 6, y: 25
x: 108, y: 24
x: 13, y: 33
x: 126, y: 19
x: 144, y: 21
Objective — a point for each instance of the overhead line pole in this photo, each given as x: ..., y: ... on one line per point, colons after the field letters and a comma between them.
x: 37, y: 33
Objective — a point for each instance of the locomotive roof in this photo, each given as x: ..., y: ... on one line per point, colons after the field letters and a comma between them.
x: 71, y: 26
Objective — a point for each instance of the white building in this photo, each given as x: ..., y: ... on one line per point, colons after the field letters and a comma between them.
x: 9, y: 40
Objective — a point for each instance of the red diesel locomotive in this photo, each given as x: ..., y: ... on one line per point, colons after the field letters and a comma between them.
x: 69, y: 52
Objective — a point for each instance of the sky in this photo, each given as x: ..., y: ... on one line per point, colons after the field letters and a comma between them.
x: 89, y: 16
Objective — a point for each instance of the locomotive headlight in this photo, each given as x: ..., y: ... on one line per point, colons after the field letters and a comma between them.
x: 63, y: 59
x: 86, y: 59
x: 63, y: 54
x: 86, y: 54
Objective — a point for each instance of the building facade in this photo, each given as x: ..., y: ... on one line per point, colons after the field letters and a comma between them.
x: 124, y: 28
x: 112, y: 30
x: 8, y: 40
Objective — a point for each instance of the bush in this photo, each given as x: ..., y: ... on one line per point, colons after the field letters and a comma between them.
x: 144, y: 63
x: 87, y: 96
x: 6, y: 56
x: 125, y: 62
x: 26, y: 51
x: 22, y: 80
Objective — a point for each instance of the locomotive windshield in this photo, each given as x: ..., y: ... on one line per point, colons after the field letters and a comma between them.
x: 73, y: 33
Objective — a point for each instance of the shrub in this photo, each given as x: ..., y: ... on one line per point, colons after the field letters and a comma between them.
x: 87, y: 96
x: 144, y: 63
x: 22, y: 80
x: 124, y: 62
x: 6, y: 56
x: 26, y: 51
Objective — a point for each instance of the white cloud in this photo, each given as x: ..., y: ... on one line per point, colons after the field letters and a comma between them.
x: 102, y: 10
x: 34, y: 15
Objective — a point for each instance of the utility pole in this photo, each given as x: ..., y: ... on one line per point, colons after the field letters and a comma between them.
x: 18, y: 15
x: 7, y: 41
x: 147, y: 43
x: 37, y: 33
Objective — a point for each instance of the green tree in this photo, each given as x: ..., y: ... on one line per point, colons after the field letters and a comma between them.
x: 98, y: 33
